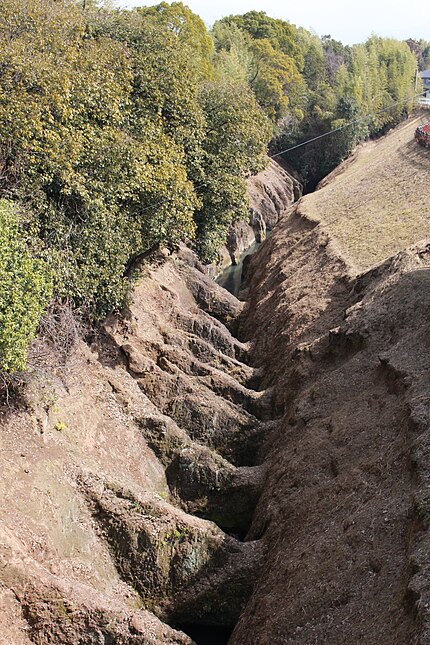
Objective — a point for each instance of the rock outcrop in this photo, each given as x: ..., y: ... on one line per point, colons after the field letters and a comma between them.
x: 271, y: 192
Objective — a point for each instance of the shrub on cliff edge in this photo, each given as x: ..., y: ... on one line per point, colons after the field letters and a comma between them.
x: 25, y: 288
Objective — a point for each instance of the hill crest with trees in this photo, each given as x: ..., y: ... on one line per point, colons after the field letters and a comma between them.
x: 122, y: 130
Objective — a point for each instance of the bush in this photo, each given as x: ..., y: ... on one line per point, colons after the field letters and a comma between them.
x: 25, y: 288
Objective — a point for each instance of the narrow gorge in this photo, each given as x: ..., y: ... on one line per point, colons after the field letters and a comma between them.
x: 207, y: 469
x: 131, y: 479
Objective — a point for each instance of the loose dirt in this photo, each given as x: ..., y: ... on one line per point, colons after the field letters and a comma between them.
x: 344, y: 510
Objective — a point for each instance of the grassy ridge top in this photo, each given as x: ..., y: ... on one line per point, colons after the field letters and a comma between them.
x: 377, y: 203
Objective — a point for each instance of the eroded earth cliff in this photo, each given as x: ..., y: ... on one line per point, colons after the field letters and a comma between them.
x: 270, y: 193
x: 128, y: 489
x: 211, y: 469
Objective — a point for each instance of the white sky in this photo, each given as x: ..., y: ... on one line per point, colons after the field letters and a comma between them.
x: 350, y: 21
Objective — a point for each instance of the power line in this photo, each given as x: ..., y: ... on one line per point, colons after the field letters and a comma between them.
x: 343, y: 127
x: 303, y: 143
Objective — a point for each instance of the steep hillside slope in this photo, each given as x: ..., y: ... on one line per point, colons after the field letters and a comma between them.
x: 344, y: 513
x: 377, y: 202
x: 112, y: 482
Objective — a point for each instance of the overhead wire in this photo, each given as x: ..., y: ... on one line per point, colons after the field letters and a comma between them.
x: 343, y: 127
x: 304, y: 143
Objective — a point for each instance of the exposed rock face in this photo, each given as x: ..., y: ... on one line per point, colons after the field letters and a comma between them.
x: 112, y: 483
x: 270, y: 192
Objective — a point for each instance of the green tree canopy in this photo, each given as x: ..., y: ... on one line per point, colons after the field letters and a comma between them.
x: 189, y: 29
x: 234, y: 147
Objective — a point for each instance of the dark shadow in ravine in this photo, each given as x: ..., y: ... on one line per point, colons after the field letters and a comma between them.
x: 231, y: 277
x: 206, y: 634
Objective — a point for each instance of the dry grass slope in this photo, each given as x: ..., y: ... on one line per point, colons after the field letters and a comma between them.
x: 378, y: 202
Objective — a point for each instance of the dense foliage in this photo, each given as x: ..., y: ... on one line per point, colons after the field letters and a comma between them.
x: 25, y: 289
x: 126, y: 129
x: 108, y: 130
x: 309, y: 85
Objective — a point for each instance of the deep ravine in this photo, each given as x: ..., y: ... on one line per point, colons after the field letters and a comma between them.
x: 213, y: 470
x: 136, y: 472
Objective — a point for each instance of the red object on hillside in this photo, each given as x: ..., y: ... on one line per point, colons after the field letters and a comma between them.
x: 422, y: 135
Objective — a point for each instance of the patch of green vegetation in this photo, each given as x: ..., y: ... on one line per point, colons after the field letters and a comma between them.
x: 177, y: 536
x: 25, y: 288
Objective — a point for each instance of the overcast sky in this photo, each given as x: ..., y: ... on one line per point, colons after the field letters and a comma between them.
x: 350, y: 21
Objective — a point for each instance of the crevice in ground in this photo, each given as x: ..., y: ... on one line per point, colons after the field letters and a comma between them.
x: 189, y: 557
